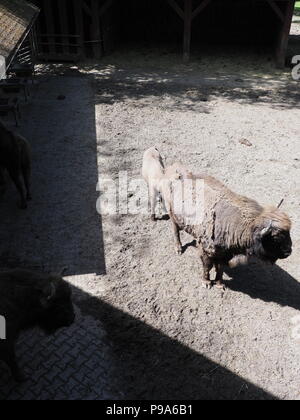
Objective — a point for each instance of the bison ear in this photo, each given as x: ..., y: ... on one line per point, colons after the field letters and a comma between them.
x: 48, y: 294
x: 267, y: 230
x: 59, y: 275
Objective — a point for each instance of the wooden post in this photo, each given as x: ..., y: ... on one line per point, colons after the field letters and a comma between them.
x: 78, y: 10
x: 64, y: 26
x: 96, y: 32
x: 284, y: 34
x: 188, y: 14
x: 103, y: 10
x: 48, y: 9
x: 188, y: 11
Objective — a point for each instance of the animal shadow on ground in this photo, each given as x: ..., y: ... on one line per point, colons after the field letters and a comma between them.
x: 268, y: 283
x: 151, y: 365
x: 259, y: 281
x: 143, y: 86
x: 109, y: 354
x: 61, y: 227
x: 192, y: 244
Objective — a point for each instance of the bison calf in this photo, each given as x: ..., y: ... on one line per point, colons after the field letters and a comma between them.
x: 29, y: 299
x: 16, y: 160
x: 153, y: 173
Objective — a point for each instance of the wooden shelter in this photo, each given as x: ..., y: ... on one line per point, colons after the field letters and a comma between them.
x: 17, y: 18
x: 72, y: 29
x: 283, y: 10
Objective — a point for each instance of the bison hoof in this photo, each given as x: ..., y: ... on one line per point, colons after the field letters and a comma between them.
x: 221, y: 286
x: 179, y: 251
x: 207, y: 285
x: 153, y: 218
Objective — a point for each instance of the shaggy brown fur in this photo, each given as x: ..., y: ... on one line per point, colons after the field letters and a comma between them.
x: 29, y: 299
x: 15, y: 158
x: 233, y: 225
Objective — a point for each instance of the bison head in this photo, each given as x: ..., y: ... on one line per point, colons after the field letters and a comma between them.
x: 272, y: 240
x: 56, y: 308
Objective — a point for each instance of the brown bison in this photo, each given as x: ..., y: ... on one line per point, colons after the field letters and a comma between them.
x: 16, y: 160
x: 29, y: 299
x: 232, y: 225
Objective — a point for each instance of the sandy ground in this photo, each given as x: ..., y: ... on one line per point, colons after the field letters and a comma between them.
x: 199, y: 117
x: 169, y: 338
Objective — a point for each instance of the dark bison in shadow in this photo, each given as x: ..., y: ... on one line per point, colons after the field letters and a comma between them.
x: 29, y: 299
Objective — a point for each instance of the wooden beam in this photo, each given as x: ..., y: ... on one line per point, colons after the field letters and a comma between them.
x: 200, y: 8
x: 105, y: 7
x: 56, y: 35
x: 78, y: 10
x: 95, y: 29
x: 64, y: 24
x: 285, y: 33
x: 177, y: 8
x: 86, y: 8
x: 188, y: 10
x: 276, y: 9
x: 48, y: 10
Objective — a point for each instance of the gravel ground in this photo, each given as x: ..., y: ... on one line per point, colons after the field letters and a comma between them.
x: 167, y: 337
x: 199, y: 115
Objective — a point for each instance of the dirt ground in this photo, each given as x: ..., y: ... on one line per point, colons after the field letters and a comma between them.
x: 168, y: 337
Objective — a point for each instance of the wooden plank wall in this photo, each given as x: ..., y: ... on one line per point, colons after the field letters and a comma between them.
x: 68, y: 30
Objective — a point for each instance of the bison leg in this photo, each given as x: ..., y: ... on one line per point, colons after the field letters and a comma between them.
x: 26, y: 170
x: 178, y: 244
x: 11, y: 361
x: 153, y: 202
x: 15, y: 176
x: 219, y: 278
x: 207, y: 267
x: 2, y: 182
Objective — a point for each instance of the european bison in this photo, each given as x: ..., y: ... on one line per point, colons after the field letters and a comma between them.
x: 232, y: 226
x: 15, y: 157
x: 29, y: 299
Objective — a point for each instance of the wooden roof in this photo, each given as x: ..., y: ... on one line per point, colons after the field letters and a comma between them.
x: 16, y: 18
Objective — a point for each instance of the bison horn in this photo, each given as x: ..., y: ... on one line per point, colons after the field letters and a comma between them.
x: 280, y: 204
x: 49, y: 293
x: 62, y: 272
x: 267, y: 230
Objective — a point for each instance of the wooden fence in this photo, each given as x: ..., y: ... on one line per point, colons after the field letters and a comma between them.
x: 68, y: 30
